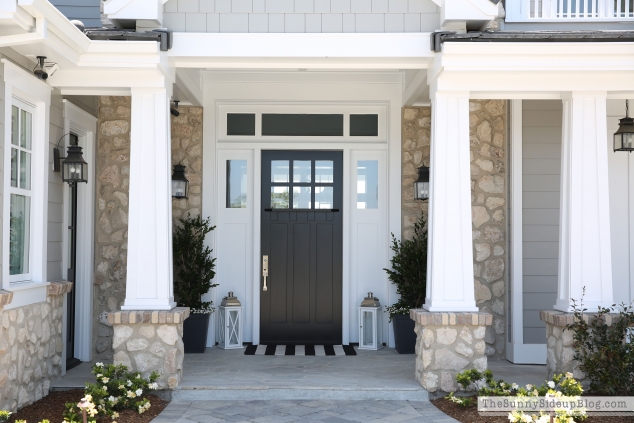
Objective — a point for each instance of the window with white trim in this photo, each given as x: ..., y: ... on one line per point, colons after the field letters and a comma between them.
x: 19, y: 148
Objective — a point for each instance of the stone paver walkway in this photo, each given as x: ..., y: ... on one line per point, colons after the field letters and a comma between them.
x: 302, y: 411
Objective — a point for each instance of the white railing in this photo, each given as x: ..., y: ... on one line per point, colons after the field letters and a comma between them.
x: 604, y: 10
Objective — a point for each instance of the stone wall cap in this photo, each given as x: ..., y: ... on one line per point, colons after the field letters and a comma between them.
x: 563, y: 319
x: 59, y: 288
x: 426, y: 318
x: 174, y: 316
x: 5, y: 297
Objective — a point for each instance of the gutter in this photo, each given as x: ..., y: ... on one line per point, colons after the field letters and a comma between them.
x: 439, y: 38
x: 162, y: 36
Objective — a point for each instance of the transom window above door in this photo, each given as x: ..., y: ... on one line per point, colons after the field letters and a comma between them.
x: 302, y: 184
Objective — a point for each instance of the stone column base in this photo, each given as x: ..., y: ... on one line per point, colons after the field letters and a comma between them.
x: 147, y: 341
x: 446, y: 344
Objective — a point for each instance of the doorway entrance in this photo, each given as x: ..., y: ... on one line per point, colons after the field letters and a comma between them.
x: 301, y: 241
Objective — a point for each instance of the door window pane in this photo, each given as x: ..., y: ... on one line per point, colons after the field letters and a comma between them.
x: 279, y: 197
x: 236, y: 184
x: 20, y: 217
x: 279, y: 171
x: 15, y: 134
x: 367, y: 184
x: 323, y: 197
x: 302, y: 170
x: 301, y: 198
x: 25, y: 170
x: 14, y: 167
x: 25, y: 129
x: 324, y: 171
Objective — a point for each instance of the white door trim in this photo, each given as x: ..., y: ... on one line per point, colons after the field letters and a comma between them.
x: 516, y: 351
x: 84, y: 126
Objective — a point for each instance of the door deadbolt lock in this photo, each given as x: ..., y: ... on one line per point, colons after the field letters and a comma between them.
x: 265, y: 271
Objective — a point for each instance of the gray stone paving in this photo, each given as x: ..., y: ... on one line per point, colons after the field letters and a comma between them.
x: 279, y: 411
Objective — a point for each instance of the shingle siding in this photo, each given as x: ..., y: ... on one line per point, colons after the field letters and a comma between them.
x: 300, y: 15
x: 86, y: 11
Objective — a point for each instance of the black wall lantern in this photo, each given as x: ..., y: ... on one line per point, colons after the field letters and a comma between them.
x: 73, y: 167
x: 180, y: 184
x: 624, y: 136
x: 421, y: 186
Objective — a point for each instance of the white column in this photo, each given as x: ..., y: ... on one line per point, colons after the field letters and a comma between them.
x: 149, y: 277
x: 450, y: 284
x: 584, y: 234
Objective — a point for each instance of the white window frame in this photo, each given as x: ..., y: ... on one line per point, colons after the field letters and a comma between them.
x: 11, y: 190
x: 24, y: 87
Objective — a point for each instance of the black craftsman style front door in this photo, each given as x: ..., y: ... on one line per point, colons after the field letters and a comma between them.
x: 302, y: 243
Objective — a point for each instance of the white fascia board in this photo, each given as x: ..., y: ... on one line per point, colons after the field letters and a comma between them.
x: 468, y: 10
x: 57, y: 23
x: 283, y: 51
x: 134, y: 9
x: 12, y: 15
x: 108, y: 78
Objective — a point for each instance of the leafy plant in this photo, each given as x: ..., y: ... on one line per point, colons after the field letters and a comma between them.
x: 115, y: 389
x: 409, y: 270
x: 561, y: 385
x: 4, y: 415
x: 193, y: 265
x: 602, y: 351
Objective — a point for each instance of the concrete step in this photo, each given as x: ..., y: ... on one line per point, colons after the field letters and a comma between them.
x: 192, y: 393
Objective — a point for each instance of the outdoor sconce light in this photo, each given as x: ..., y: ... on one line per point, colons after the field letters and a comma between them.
x: 230, y: 323
x: 180, y: 184
x: 39, y: 70
x: 73, y: 167
x: 421, y: 186
x: 369, y: 324
x: 174, y: 110
x: 624, y: 136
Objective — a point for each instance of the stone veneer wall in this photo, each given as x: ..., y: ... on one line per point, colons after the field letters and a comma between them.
x: 111, y: 240
x: 31, y: 347
x: 187, y: 149
x: 113, y: 170
x: 148, y: 341
x: 487, y: 122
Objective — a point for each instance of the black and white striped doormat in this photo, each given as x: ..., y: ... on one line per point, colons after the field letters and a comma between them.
x: 323, y: 350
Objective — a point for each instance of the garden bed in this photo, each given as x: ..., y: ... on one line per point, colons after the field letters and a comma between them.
x: 51, y: 407
x: 470, y: 414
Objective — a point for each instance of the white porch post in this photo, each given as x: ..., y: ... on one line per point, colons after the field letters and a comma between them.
x: 584, y: 241
x: 149, y: 281
x: 450, y: 284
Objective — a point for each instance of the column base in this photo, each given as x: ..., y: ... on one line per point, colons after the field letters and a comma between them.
x: 150, y: 340
x: 447, y: 344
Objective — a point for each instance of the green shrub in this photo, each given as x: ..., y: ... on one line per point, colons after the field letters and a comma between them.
x: 193, y: 265
x: 4, y: 415
x: 602, y: 351
x: 116, y: 389
x: 409, y: 270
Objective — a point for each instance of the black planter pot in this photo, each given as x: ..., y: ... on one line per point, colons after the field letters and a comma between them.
x: 195, y: 332
x: 404, y: 335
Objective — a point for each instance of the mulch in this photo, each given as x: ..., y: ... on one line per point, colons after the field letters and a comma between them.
x: 471, y: 415
x: 52, y: 408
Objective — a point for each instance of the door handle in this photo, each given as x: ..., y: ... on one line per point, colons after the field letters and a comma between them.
x: 265, y: 271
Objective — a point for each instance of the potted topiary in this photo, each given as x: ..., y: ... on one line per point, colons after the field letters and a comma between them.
x: 193, y: 272
x: 409, y: 274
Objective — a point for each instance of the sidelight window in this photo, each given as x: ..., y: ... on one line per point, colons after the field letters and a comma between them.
x: 236, y: 184
x: 367, y: 184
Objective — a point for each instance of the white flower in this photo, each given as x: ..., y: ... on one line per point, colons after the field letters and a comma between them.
x: 99, y: 375
x: 551, y: 384
x: 112, y: 399
x: 131, y: 394
x: 129, y: 383
x: 99, y: 364
x: 514, y: 386
x: 529, y: 387
x: 543, y: 419
x: 105, y: 379
x: 569, y: 375
x: 139, y: 392
x: 105, y: 388
x: 153, y: 385
x: 121, y: 387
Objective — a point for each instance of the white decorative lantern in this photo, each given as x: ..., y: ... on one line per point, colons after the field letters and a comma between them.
x: 370, y: 324
x: 230, y: 323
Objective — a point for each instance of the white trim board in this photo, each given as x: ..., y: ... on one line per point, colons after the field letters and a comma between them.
x: 84, y: 126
